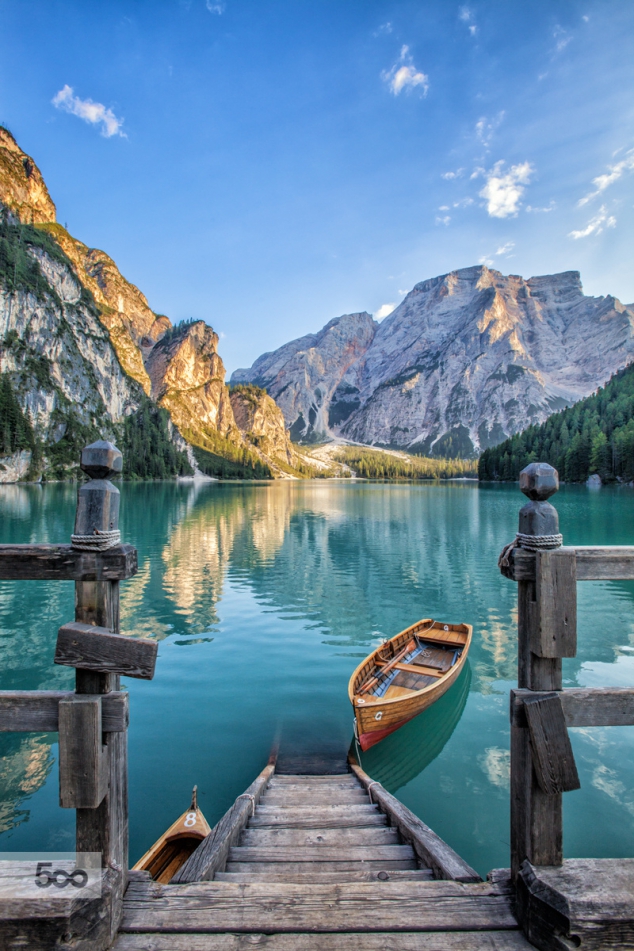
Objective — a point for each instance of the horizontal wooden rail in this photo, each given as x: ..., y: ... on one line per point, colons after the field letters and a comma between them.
x: 609, y: 563
x: 582, y: 706
x: 63, y: 563
x: 89, y: 647
x: 37, y: 711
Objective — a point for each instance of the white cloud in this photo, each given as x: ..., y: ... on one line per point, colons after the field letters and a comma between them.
x: 585, y: 19
x: 405, y: 76
x: 467, y: 17
x: 503, y: 190
x: 550, y: 207
x: 214, y: 6
x: 614, y: 172
x: 561, y: 37
x: 384, y: 28
x: 505, y: 248
x: 384, y: 311
x: 463, y: 203
x: 444, y: 220
x: 448, y: 176
x: 596, y: 225
x: 477, y: 172
x: 486, y: 261
x: 89, y: 111
x: 485, y: 128
x: 403, y: 292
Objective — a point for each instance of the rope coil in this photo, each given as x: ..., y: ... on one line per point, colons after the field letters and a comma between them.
x: 368, y: 789
x: 529, y: 543
x: 98, y: 541
x: 248, y: 796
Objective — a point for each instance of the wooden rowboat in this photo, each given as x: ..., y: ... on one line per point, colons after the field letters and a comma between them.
x: 405, y: 675
x: 170, y: 852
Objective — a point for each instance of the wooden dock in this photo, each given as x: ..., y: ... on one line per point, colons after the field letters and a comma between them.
x: 311, y: 859
x: 321, y: 862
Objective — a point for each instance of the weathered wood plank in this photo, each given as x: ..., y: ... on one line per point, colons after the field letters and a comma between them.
x: 63, y: 563
x: 322, y: 853
x: 384, y: 835
x: 555, y: 634
x: 586, y: 903
x: 83, y: 760
x: 211, y: 855
x: 594, y: 563
x: 404, y: 941
x: 308, y: 820
x: 36, y: 711
x: 291, y: 868
x: 372, y: 906
x: 553, y: 759
x: 98, y: 649
x: 315, y: 878
x: 584, y: 706
x: 313, y: 779
x: 291, y: 799
x: 429, y: 847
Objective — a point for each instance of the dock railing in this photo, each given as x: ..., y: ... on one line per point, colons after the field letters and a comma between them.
x: 542, y: 761
x: 91, y: 721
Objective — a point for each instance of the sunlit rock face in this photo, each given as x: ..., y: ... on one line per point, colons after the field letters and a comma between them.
x: 188, y: 379
x: 261, y: 420
x: 465, y: 360
x: 304, y: 377
x: 22, y: 187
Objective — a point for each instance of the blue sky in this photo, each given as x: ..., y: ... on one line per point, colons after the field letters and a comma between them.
x: 269, y: 165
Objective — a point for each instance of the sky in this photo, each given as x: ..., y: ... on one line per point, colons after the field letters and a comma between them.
x: 267, y: 165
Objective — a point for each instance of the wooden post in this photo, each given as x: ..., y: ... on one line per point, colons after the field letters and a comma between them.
x: 104, y: 829
x: 536, y: 818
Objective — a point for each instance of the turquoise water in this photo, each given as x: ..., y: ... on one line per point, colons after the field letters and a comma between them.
x: 264, y: 598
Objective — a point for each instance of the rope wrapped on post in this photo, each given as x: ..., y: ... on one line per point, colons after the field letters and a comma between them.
x: 98, y: 541
x: 529, y: 543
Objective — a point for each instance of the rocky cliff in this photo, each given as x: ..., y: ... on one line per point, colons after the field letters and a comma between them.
x: 465, y: 360
x: 83, y: 349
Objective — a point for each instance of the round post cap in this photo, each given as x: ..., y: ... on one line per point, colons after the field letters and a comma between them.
x: 101, y: 459
x: 539, y: 481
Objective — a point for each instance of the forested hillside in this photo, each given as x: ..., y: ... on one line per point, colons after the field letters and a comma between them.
x: 596, y: 435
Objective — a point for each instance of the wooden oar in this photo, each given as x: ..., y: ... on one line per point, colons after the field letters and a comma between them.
x: 395, y: 660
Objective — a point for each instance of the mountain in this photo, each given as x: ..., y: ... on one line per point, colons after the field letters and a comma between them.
x: 595, y: 437
x: 467, y: 359
x: 82, y: 354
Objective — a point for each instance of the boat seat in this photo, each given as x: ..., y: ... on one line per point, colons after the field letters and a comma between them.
x: 412, y: 681
x: 436, y: 657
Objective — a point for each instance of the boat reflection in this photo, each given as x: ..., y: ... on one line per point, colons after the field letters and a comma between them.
x: 400, y: 757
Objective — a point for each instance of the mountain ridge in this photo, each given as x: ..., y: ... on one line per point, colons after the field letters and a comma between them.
x: 464, y: 361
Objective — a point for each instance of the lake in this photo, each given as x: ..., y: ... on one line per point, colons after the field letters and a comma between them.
x: 264, y: 598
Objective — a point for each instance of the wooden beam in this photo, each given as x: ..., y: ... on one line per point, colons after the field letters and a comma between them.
x: 553, y: 759
x: 63, y: 563
x: 429, y: 847
x: 352, y: 941
x: 211, y: 855
x: 95, y: 648
x: 583, y: 706
x: 83, y: 760
x: 36, y: 711
x: 358, y: 906
x: 594, y: 563
x: 555, y: 633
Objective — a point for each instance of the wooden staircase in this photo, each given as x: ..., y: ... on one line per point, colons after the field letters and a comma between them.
x: 321, y: 863
x: 320, y: 829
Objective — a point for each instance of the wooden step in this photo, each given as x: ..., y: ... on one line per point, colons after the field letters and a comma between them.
x: 341, y: 797
x: 353, y: 808
x: 309, y: 778
x: 324, y: 878
x: 291, y: 868
x: 353, y: 906
x: 384, y: 835
x: 307, y: 819
x: 359, y: 941
x: 323, y: 853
